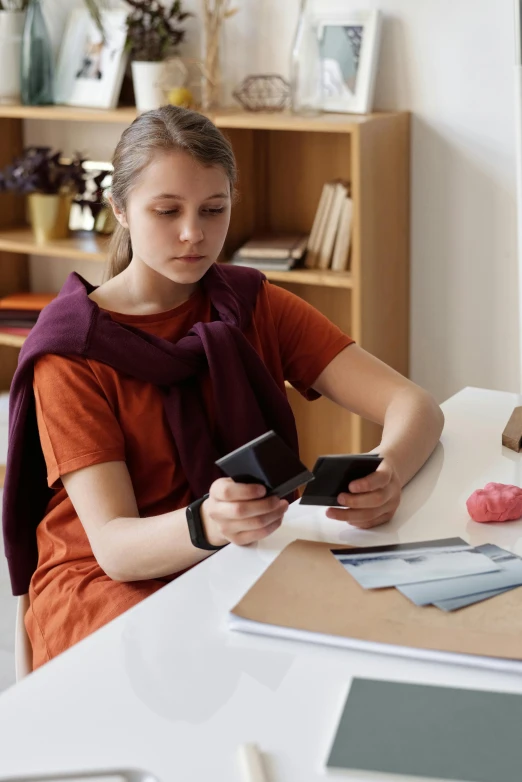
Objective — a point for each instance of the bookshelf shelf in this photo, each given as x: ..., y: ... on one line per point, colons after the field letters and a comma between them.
x: 312, y: 277
x: 224, y: 118
x: 11, y: 340
x: 69, y: 113
x: 86, y: 246
x: 78, y: 247
x: 283, y: 162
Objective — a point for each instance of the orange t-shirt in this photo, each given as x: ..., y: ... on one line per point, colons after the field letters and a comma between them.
x: 89, y: 413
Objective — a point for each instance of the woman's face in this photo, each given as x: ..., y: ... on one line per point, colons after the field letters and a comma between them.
x: 178, y: 215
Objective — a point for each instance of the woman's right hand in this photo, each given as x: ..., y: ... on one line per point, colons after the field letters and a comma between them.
x: 240, y: 513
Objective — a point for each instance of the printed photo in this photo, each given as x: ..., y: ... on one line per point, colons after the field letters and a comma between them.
x: 507, y: 574
x: 92, y: 60
x: 418, y: 563
x: 340, y: 49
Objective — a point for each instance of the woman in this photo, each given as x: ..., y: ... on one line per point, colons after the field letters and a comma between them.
x: 141, y: 383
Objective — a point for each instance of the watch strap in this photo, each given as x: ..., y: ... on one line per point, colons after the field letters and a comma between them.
x: 195, y: 525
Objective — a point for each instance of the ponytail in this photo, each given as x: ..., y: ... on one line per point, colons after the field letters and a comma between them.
x: 120, y: 251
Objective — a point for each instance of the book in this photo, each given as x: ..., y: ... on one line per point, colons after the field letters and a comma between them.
x: 264, y: 264
x: 341, y: 251
x: 429, y: 731
x: 26, y: 301
x: 322, y: 214
x: 333, y: 609
x: 15, y: 331
x: 274, y: 246
x: 314, y: 233
x: 28, y: 316
x: 331, y: 227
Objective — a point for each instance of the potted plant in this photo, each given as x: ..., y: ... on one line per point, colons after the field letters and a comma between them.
x: 153, y: 35
x: 12, y: 19
x: 51, y: 184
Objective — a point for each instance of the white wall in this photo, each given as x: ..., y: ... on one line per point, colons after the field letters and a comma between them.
x: 451, y: 63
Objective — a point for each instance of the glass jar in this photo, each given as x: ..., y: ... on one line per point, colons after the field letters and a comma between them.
x: 305, y: 68
x: 37, y: 59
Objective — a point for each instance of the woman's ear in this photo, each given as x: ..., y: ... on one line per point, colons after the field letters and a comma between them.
x: 118, y: 213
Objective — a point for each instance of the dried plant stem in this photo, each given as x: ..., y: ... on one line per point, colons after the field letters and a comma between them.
x: 214, y: 14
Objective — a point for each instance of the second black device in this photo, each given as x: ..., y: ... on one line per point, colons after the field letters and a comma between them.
x: 333, y: 474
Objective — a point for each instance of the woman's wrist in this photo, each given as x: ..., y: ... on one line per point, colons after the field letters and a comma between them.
x: 391, y: 457
x: 211, y: 531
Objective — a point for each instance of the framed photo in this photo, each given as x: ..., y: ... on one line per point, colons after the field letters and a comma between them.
x: 349, y: 50
x: 85, y: 212
x: 91, y: 66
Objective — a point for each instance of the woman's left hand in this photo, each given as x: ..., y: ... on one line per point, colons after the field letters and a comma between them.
x: 370, y: 501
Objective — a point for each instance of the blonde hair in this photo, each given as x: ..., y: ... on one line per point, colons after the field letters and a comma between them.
x: 169, y: 128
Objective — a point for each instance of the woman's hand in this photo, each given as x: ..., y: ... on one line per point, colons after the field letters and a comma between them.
x: 240, y: 513
x: 370, y: 501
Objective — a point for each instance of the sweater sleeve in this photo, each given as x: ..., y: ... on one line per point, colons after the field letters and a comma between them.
x: 76, y: 423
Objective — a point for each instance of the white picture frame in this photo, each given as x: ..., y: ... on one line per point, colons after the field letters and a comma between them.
x: 349, y: 48
x: 90, y: 69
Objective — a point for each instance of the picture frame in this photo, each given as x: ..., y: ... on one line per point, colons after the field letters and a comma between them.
x: 85, y: 212
x: 90, y: 66
x: 349, y: 49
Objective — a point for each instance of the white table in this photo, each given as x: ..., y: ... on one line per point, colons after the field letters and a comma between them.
x: 167, y: 688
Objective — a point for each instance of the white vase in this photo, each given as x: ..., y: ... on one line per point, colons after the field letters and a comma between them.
x: 11, y: 28
x: 149, y: 85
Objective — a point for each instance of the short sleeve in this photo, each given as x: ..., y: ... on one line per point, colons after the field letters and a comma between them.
x: 308, y: 341
x: 76, y: 423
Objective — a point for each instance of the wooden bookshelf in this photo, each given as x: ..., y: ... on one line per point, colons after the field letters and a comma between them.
x: 283, y: 163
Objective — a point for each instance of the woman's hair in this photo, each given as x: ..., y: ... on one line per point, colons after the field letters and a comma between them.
x: 167, y: 129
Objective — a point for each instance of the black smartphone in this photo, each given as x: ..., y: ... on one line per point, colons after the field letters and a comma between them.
x: 333, y: 474
x: 269, y: 461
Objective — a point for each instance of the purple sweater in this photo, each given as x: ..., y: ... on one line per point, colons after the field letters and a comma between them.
x: 248, y: 401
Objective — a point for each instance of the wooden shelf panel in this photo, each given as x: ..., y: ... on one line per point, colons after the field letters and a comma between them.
x: 86, y: 246
x: 12, y: 340
x: 285, y: 120
x: 124, y: 115
x: 312, y: 277
x: 223, y: 118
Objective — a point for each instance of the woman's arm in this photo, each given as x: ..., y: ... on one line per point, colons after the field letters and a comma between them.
x: 412, y: 424
x: 130, y: 548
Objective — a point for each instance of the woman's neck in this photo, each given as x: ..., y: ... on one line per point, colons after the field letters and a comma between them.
x: 139, y: 290
x: 151, y: 291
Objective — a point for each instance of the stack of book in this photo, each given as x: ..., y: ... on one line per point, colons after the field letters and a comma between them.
x: 19, y: 312
x: 272, y: 252
x: 329, y: 242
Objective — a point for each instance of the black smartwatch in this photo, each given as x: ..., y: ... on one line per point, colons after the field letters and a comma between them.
x: 195, y: 525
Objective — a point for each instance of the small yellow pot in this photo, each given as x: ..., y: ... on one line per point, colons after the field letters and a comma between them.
x: 49, y: 216
x: 105, y: 222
